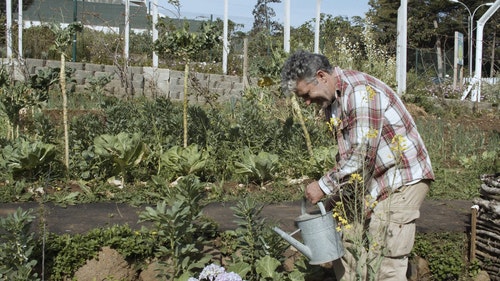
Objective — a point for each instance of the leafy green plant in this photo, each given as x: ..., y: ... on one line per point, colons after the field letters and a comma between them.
x: 179, y: 225
x: 96, y: 87
x: 253, y: 240
x: 14, y: 191
x: 269, y: 268
x: 44, y: 79
x: 259, y: 168
x: 27, y: 159
x: 14, y: 98
x: 16, y: 247
x: 444, y: 252
x: 66, y: 253
x: 323, y: 159
x: 180, y: 161
x: 124, y: 150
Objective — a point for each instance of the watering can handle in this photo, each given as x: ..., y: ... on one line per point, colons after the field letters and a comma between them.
x: 320, y: 205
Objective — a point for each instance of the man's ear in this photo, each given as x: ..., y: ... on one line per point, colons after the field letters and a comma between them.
x: 322, y: 76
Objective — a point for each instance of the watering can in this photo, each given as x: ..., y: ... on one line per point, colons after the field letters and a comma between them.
x: 322, y: 242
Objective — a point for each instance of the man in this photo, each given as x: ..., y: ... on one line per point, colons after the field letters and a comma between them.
x: 379, y: 145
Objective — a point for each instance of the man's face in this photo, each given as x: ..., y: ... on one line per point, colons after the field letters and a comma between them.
x: 316, y: 92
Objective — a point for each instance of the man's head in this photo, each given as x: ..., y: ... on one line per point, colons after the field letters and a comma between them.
x: 309, y: 76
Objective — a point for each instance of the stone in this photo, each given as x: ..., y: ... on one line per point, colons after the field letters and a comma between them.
x: 109, y: 265
x: 418, y: 270
x: 482, y: 276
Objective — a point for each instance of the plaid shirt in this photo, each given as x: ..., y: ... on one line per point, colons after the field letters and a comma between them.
x: 377, y: 137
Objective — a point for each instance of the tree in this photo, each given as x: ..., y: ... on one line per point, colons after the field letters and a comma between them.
x: 263, y: 18
x: 450, y: 17
x: 384, y: 15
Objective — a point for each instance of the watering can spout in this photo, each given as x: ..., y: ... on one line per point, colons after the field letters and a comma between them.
x: 294, y: 242
x: 322, y: 243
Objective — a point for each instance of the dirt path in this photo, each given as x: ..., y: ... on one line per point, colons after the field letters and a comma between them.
x: 436, y: 215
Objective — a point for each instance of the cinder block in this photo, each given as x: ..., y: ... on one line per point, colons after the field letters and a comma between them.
x: 53, y: 64
x: 80, y: 89
x: 234, y: 79
x: 35, y: 63
x: 94, y: 67
x: 135, y: 70
x: 75, y: 65
x: 111, y: 69
x: 138, y: 85
x: 137, y: 77
x: 82, y: 75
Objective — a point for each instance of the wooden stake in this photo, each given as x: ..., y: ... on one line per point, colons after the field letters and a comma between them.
x: 473, y: 223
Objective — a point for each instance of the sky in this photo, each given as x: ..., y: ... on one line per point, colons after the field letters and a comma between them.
x: 240, y: 11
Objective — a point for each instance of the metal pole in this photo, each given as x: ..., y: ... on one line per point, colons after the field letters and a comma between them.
x: 471, y: 37
x: 155, y: 31
x: 479, y: 46
x: 401, y: 53
x: 75, y: 18
x: 127, y: 29
x: 316, y: 30
x: 9, y: 29
x: 20, y: 29
x: 286, y: 33
x: 225, y: 45
x: 470, y: 46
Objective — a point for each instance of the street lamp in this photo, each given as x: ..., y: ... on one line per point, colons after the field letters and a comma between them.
x: 470, y: 27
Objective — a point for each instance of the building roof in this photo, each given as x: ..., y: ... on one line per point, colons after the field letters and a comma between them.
x: 91, y: 13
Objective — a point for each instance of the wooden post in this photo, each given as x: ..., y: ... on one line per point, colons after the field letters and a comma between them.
x: 473, y: 223
x: 245, y: 63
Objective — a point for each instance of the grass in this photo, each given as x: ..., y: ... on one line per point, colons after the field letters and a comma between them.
x: 460, y: 152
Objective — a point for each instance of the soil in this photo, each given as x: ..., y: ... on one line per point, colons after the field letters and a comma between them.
x: 436, y: 216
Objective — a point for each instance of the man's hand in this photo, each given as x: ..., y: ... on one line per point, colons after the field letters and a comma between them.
x: 313, y: 192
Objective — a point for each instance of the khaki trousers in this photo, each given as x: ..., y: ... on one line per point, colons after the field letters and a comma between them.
x: 379, y: 250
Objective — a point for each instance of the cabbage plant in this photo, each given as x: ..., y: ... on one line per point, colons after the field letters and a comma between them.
x: 183, y: 161
x: 259, y: 168
x: 124, y: 150
x: 28, y: 159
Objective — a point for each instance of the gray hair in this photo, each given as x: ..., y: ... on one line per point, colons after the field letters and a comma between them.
x: 300, y: 66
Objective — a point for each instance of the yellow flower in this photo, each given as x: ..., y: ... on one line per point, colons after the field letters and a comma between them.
x: 341, y: 220
x: 333, y: 123
x: 370, y: 202
x: 355, y: 178
x: 398, y: 143
x: 371, y: 92
x: 372, y: 133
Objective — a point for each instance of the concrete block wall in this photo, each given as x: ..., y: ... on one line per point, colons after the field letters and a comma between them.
x: 143, y: 81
